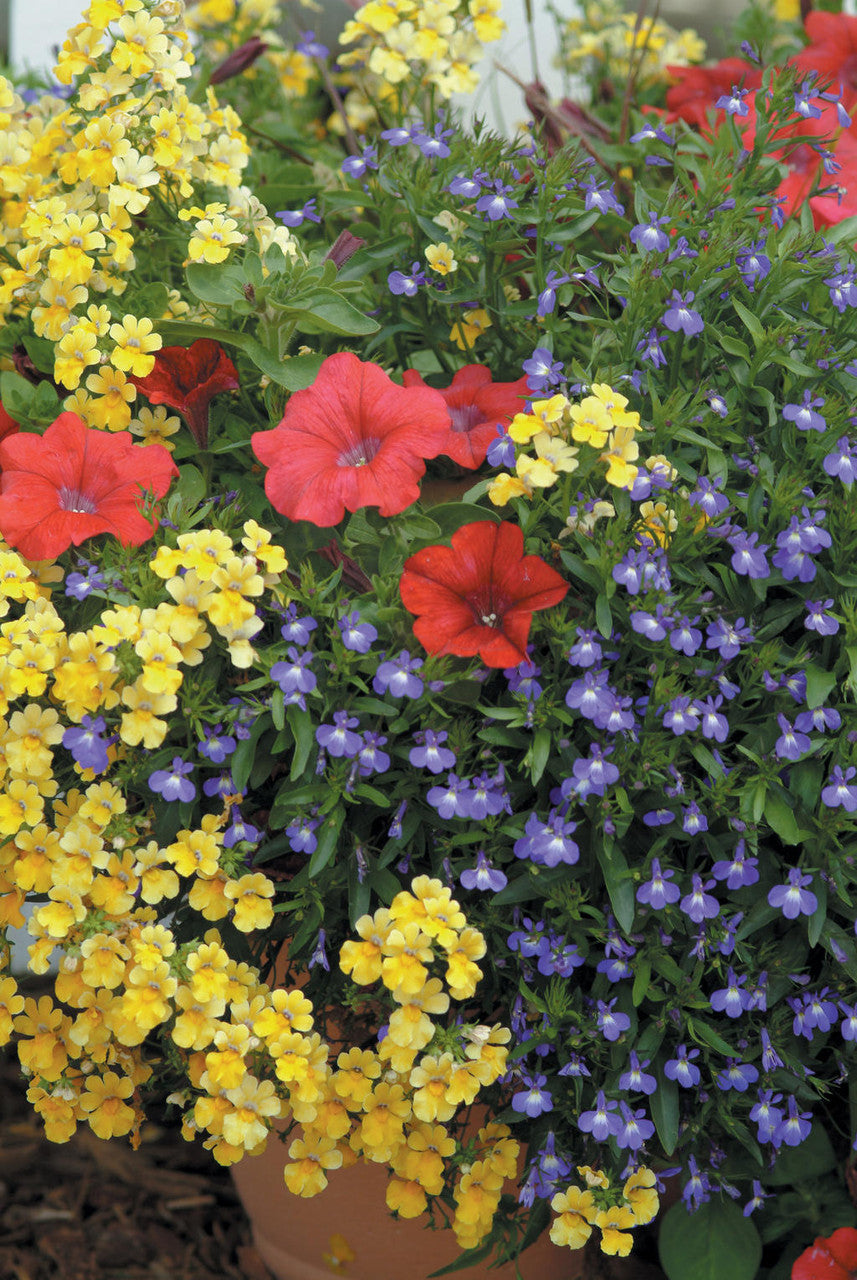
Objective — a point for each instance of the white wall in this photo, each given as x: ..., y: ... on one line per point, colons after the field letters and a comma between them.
x: 37, y: 26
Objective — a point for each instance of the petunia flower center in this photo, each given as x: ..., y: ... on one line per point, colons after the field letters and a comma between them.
x: 464, y: 417
x: 486, y: 610
x: 77, y: 501
x: 359, y: 454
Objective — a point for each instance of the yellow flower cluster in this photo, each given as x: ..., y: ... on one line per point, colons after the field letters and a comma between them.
x: 619, y: 42
x: 76, y: 176
x: 612, y: 1210
x: 600, y: 422
x: 391, y: 1105
x: 434, y: 42
x: 100, y: 881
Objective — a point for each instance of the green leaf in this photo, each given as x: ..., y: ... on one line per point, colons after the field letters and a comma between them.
x: 325, y: 311
x: 294, y: 373
x: 241, y: 760
x: 642, y: 977
x: 219, y: 284
x: 618, y: 882
x: 781, y: 817
x: 328, y: 839
x: 539, y: 753
x: 752, y: 323
x: 817, y: 920
x: 818, y: 685
x: 603, y: 616
x: 702, y: 1031
x: 17, y: 394
x: 663, y: 1104
x: 300, y: 723
x: 811, y: 1159
x: 715, y: 1243
x: 452, y: 515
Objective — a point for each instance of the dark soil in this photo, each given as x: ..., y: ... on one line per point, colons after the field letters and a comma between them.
x: 94, y: 1210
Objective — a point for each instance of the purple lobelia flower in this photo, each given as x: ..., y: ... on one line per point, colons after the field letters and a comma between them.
x: 406, y: 284
x: 356, y: 635
x: 839, y: 791
x: 804, y: 415
x: 636, y: 1079
x: 699, y: 904
x: 680, y: 316
x: 706, y: 497
x: 339, y: 739
x: 548, y: 843
x: 300, y: 834
x: 748, y: 558
x: 586, y: 651
x: 794, y: 1128
x: 681, y: 716
x: 697, y: 1189
x: 293, y: 673
x: 430, y: 753
x: 297, y: 630
x: 217, y: 745
x: 484, y: 876
x: 713, y: 723
x: 681, y: 1068
x: 739, y: 871
x: 239, y: 830
x: 693, y: 820
x: 736, y: 1075
x: 658, y: 892
x: 496, y: 204
x: 685, y: 637
x: 733, y: 103
x: 86, y: 744
x: 542, y: 370
x: 648, y: 236
x: 370, y: 757
x: 558, y: 956
x: 611, y: 1024
x: 636, y: 1128
x: 818, y: 619
x: 451, y: 801
x: 791, y: 744
x: 727, y: 637
x: 732, y: 999
x: 534, y: 1099
x: 753, y: 263
x: 601, y: 1122
x: 766, y: 1114
x: 842, y: 462
x: 174, y: 783
x: 757, y: 1200
x: 397, y: 676
x: 794, y: 899
x: 651, y: 350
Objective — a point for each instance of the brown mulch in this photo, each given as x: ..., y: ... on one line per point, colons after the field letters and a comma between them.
x: 94, y: 1210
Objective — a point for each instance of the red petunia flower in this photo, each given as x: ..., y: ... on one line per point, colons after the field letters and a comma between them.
x: 696, y: 89
x: 8, y: 425
x: 832, y: 1259
x: 479, y: 595
x: 76, y: 481
x: 831, y: 54
x: 188, y: 379
x: 353, y: 439
x: 476, y: 406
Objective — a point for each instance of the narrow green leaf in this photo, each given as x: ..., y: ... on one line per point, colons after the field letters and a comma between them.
x: 817, y: 920
x: 753, y: 324
x: 328, y: 839
x: 301, y: 726
x: 663, y: 1104
x: 818, y: 685
x: 618, y: 882
x: 539, y: 753
x: 642, y: 976
x: 603, y: 616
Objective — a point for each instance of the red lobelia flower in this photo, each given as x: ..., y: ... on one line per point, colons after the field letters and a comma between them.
x: 479, y: 595
x: 832, y: 1259
x: 353, y: 439
x: 476, y: 406
x: 188, y: 379
x: 76, y: 481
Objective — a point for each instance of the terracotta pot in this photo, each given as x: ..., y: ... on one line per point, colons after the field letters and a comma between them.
x: 292, y: 1234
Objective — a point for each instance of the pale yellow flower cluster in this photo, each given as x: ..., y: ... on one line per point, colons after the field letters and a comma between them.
x: 600, y: 421
x: 434, y: 42
x: 619, y: 42
x: 392, y: 1105
x: 77, y: 176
